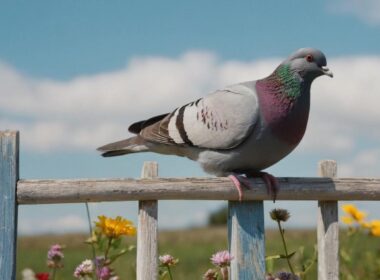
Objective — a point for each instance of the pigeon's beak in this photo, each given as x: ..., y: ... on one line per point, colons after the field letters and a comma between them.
x: 326, y: 71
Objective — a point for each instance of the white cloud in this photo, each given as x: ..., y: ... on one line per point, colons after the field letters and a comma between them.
x: 344, y: 109
x: 366, y: 10
x: 365, y: 163
x: 88, y: 111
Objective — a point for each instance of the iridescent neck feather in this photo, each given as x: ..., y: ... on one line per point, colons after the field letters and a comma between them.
x: 283, y: 81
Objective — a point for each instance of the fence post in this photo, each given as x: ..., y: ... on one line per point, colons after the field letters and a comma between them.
x: 328, y: 229
x: 246, y: 239
x: 9, y: 168
x: 147, y: 268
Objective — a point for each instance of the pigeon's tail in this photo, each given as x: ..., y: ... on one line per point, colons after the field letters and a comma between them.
x: 131, y: 145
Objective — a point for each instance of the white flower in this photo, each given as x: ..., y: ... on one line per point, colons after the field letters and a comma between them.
x: 28, y: 274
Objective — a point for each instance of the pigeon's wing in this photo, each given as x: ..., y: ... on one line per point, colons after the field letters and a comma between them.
x: 221, y: 120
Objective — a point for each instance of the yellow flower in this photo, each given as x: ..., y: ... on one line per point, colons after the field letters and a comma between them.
x: 375, y: 228
x: 347, y: 220
x: 113, y: 228
x: 354, y: 213
x: 366, y: 225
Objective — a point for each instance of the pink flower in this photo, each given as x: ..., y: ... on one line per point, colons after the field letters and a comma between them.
x: 55, y: 253
x: 86, y: 268
x: 222, y: 258
x: 167, y: 260
x: 104, y: 273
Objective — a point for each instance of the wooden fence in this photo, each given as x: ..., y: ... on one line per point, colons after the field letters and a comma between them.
x: 245, y: 219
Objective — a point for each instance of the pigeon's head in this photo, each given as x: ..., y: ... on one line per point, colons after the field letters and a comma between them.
x: 309, y: 63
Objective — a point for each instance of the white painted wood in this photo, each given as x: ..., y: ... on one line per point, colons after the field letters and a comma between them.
x: 147, y: 231
x: 328, y: 229
x: 81, y: 190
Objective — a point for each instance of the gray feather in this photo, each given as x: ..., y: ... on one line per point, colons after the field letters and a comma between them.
x: 123, y: 147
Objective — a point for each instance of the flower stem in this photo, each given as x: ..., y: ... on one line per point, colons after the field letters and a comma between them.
x: 170, y: 273
x: 92, y: 244
x: 108, y: 248
x: 224, y: 272
x: 53, y: 273
x: 285, y: 248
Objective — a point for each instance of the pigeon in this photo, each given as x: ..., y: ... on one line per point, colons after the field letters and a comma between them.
x: 237, y: 131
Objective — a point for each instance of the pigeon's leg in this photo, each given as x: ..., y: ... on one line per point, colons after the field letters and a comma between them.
x: 239, y: 182
x: 271, y: 182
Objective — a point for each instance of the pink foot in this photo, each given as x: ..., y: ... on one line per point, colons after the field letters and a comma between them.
x: 271, y: 183
x: 237, y: 185
x: 273, y: 186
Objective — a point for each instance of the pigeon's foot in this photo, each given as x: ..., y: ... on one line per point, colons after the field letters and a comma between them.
x: 270, y: 181
x: 239, y: 182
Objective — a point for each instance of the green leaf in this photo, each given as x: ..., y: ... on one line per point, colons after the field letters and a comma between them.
x: 116, y: 243
x: 290, y: 255
x: 131, y: 247
x: 274, y: 257
x: 115, y: 256
x: 269, y: 263
x: 93, y: 239
x: 280, y: 256
x: 101, y: 242
x: 162, y: 273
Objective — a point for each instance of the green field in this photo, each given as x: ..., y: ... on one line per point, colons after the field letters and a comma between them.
x: 193, y: 247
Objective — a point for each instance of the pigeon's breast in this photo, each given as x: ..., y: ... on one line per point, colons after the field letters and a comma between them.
x: 286, y: 118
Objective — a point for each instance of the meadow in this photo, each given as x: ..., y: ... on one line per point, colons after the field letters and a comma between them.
x: 194, y: 247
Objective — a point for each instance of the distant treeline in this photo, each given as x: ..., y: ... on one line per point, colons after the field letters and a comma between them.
x: 218, y: 217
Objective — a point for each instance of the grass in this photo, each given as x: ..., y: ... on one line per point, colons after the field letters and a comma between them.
x: 193, y: 247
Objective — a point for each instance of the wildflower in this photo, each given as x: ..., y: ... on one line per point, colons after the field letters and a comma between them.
x: 210, y: 274
x: 42, y: 276
x: 375, y: 228
x: 55, y: 252
x: 285, y: 276
x: 348, y: 220
x: 222, y: 258
x: 104, y: 273
x: 55, y: 256
x: 167, y: 260
x: 282, y: 215
x: 279, y: 215
x: 354, y: 215
x: 114, y: 228
x: 86, y: 268
x: 28, y: 274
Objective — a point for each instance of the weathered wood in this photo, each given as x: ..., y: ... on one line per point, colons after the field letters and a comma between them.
x: 246, y: 239
x: 147, y: 267
x: 328, y: 230
x: 71, y: 191
x: 9, y: 167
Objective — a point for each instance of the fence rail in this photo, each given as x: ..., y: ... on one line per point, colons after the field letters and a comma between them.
x: 69, y: 191
x: 245, y: 220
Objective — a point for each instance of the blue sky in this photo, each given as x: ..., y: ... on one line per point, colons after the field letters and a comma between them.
x: 75, y: 74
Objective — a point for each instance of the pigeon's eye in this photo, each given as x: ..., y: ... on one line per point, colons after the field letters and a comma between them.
x: 309, y: 58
